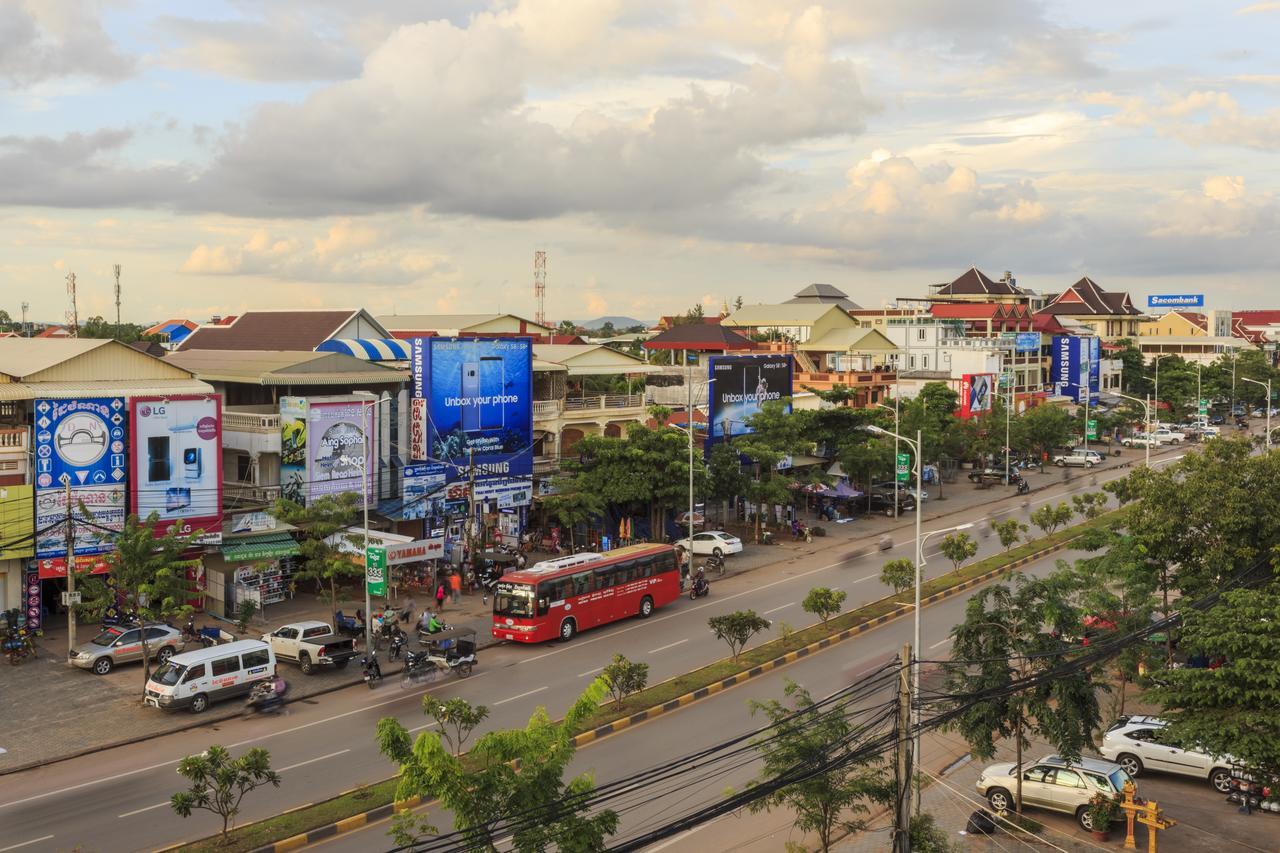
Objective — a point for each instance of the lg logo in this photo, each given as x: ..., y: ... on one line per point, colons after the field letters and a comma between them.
x: 148, y: 411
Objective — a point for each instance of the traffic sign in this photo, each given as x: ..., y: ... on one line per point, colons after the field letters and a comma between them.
x: 903, y: 467
x: 375, y: 577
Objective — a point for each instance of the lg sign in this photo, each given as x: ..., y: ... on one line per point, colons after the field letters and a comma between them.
x: 148, y: 411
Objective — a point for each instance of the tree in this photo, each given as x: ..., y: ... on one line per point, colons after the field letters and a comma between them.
x: 958, y: 547
x: 725, y: 479
x: 1049, y: 518
x: 802, y: 734
x: 737, y: 628
x: 824, y: 602
x: 927, y: 837
x: 1090, y: 504
x: 899, y: 574
x: 1007, y: 636
x: 1040, y: 429
x: 1235, y: 708
x: 147, y: 573
x: 571, y: 504
x: 456, y: 717
x: 567, y: 327
x: 625, y: 677
x: 776, y: 435
x: 1008, y: 531
x: 219, y: 782
x: 324, y: 527
x: 506, y: 773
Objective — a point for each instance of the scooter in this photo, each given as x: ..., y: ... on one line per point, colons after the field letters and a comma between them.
x: 1023, y: 487
x: 715, y: 564
x: 700, y: 588
x: 398, y: 639
x: 18, y: 646
x: 372, y: 673
x: 266, y: 697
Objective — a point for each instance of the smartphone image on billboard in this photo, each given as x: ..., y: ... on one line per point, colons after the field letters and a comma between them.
x: 492, y: 386
x: 470, y: 390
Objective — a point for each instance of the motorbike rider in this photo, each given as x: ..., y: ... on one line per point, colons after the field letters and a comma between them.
x: 434, y: 625
x: 699, y: 581
x: 369, y: 665
x: 398, y: 640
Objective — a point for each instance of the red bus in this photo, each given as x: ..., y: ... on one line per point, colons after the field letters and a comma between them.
x: 560, y: 597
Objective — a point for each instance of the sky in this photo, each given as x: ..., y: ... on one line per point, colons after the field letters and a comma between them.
x: 410, y: 156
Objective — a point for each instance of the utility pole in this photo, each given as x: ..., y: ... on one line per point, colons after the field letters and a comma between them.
x: 902, y: 814
x: 116, y: 269
x: 471, y: 507
x: 540, y: 286
x: 71, y: 572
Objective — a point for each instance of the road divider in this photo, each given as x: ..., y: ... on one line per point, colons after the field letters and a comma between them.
x: 282, y: 833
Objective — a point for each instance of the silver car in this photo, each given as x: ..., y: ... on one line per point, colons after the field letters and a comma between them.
x: 1138, y: 744
x: 1053, y: 783
x: 123, y: 644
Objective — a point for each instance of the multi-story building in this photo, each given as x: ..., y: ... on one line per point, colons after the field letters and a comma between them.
x: 1109, y: 315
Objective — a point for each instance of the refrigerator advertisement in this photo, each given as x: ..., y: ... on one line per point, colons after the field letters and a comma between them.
x: 479, y: 394
x: 740, y: 385
x: 339, y: 442
x: 82, y: 443
x: 176, y: 461
x: 977, y: 391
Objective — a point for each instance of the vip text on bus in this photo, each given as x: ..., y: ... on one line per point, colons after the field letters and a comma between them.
x: 560, y: 597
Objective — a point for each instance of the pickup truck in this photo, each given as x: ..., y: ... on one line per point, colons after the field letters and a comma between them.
x: 1168, y: 436
x: 311, y: 644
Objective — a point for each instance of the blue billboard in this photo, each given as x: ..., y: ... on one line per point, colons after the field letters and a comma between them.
x: 1176, y: 300
x: 1076, y: 367
x: 740, y: 385
x: 1027, y: 342
x: 479, y: 394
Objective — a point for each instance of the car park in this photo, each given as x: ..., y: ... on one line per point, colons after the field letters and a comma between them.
x: 1052, y: 783
x: 1139, y: 743
x: 712, y: 543
x: 123, y: 644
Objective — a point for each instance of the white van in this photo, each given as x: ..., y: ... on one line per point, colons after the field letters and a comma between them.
x: 194, y: 679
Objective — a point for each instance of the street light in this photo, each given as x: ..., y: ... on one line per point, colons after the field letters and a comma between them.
x: 894, y: 409
x: 1155, y: 397
x: 366, y: 423
x: 1146, y: 406
x: 1267, y: 404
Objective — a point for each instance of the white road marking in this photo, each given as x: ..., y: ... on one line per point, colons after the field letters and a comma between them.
x: 521, y: 696
x: 25, y: 843
x: 667, y: 646
x: 779, y: 607
x: 421, y: 727
x: 590, y: 672
x: 313, y: 760
x: 943, y: 641
x: 867, y: 578
x: 144, y: 809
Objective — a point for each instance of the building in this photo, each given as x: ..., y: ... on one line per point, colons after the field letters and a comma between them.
x: 823, y: 294
x: 687, y: 349
x: 973, y: 285
x: 1201, y: 348
x: 946, y: 349
x: 1188, y: 324
x: 986, y: 319
x: 171, y: 333
x: 290, y: 330
x: 1108, y: 315
x: 407, y: 326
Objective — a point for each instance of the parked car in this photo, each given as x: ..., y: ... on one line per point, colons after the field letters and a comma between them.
x: 1139, y: 439
x: 1168, y: 436
x: 123, y: 644
x: 194, y: 679
x: 993, y: 475
x: 311, y: 644
x: 1139, y: 743
x: 908, y: 488
x: 1217, y: 420
x: 881, y: 501
x: 1053, y: 783
x: 1075, y: 458
x: 712, y: 542
x: 1097, y: 456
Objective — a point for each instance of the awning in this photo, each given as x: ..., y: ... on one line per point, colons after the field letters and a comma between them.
x: 267, y: 547
x: 351, y: 540
x: 368, y: 349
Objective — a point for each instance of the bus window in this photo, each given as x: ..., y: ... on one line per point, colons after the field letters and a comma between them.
x: 606, y: 578
x: 581, y: 583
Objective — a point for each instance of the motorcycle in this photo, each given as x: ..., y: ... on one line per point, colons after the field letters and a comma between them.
x: 18, y: 646
x: 1023, y: 487
x: 886, y: 542
x: 371, y: 672
x: 204, y: 636
x: 266, y: 697
x: 398, y: 639
x: 701, y: 586
x: 715, y: 564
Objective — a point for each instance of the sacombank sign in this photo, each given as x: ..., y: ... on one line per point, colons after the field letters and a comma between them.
x: 1176, y: 300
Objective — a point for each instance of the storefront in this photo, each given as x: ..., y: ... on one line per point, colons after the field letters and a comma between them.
x: 46, y: 580
x: 258, y: 567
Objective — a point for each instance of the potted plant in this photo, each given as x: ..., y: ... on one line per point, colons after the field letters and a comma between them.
x: 1102, y: 811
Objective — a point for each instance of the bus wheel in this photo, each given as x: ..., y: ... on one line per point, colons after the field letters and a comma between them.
x: 646, y: 607
x: 567, y: 629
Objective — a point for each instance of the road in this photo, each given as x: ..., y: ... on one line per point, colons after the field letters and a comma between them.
x: 118, y: 799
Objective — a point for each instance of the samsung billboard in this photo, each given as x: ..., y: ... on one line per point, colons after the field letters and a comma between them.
x: 479, y: 405
x: 1076, y: 367
x: 740, y: 386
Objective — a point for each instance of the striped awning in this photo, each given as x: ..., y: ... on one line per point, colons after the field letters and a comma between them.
x: 269, y: 546
x: 369, y: 349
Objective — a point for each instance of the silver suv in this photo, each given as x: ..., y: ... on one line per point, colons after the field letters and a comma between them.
x: 1138, y: 744
x: 123, y: 644
x: 1053, y: 783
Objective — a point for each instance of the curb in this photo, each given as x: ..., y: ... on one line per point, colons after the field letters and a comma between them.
x: 357, y: 821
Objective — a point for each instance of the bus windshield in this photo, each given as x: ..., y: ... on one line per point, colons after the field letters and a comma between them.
x: 512, y: 599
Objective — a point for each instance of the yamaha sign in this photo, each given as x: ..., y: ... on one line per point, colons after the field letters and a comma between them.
x: 1176, y: 300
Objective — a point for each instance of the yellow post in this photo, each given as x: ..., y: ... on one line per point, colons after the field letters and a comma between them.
x: 1153, y: 818
x: 1130, y: 812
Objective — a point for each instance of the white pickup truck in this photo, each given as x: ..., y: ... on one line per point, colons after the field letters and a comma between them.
x: 311, y: 644
x: 1168, y: 436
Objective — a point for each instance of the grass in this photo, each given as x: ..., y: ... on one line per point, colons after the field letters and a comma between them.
x: 296, y: 822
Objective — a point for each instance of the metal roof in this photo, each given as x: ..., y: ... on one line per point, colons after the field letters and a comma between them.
x: 265, y: 367
x: 105, y: 388
x: 21, y: 357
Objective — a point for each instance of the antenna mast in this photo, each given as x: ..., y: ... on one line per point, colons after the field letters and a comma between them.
x: 73, y: 313
x: 540, y: 286
x: 26, y: 330
x: 116, y: 269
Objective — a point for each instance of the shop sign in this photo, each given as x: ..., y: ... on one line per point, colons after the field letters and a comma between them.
x: 81, y: 444
x: 903, y: 467
x: 1091, y: 429
x: 375, y: 573
x: 56, y: 567
x: 416, y: 551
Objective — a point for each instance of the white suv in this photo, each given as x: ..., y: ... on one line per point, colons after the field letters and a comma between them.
x: 1137, y: 744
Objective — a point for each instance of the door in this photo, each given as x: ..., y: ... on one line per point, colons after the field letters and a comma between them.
x: 1036, y: 784
x: 1142, y: 743
x: 155, y: 639
x: 1068, y: 792
x: 286, y: 643
x: 1175, y: 759
x: 127, y: 647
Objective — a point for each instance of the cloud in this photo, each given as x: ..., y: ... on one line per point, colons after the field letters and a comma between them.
x: 1257, y: 8
x: 284, y: 48
x: 84, y: 171
x: 1198, y: 118
x: 48, y: 39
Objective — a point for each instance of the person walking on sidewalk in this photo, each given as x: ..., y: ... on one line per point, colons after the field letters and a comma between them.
x: 440, y: 595
x: 455, y: 586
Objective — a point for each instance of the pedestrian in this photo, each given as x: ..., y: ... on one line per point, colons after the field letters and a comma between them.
x: 455, y: 586
x: 440, y: 596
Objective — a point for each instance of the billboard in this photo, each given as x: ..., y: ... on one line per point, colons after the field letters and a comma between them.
x: 1176, y: 300
x: 176, y: 462
x: 1027, y: 342
x: 1076, y: 367
x: 423, y: 491
x: 479, y: 394
x: 84, y: 443
x: 977, y: 390
x: 326, y: 448
x: 740, y: 385
x: 16, y: 527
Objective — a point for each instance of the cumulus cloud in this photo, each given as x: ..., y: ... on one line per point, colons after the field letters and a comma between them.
x: 282, y: 48
x: 84, y: 170
x: 1198, y: 118
x: 48, y: 39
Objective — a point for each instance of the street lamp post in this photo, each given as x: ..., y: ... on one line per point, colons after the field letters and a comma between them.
x: 1155, y: 397
x: 366, y: 421
x: 895, y: 457
x: 1266, y: 404
x: 1146, y: 408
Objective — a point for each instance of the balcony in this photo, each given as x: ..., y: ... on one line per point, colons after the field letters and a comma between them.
x: 253, y: 432
x: 545, y: 466
x: 825, y: 381
x: 257, y: 422
x: 14, y: 439
x: 607, y: 402
x: 546, y: 409
x: 242, y: 494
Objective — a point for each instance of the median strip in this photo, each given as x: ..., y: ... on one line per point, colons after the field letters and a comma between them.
x: 368, y: 804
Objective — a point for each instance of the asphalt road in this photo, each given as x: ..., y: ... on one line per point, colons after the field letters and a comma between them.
x: 118, y: 799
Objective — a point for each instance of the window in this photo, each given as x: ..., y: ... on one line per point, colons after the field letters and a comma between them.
x: 318, y: 631
x: 287, y: 633
x: 911, y: 362
x: 1038, y: 774
x: 924, y: 361
x: 193, y: 673
x: 128, y: 638
x: 920, y: 334
x: 606, y: 578
x: 1069, y: 779
x: 244, y: 468
x: 581, y: 583
x: 156, y: 633
x: 225, y: 666
x: 255, y: 659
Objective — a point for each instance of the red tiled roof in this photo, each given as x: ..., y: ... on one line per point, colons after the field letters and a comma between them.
x: 973, y: 282
x: 1085, y: 298
x: 980, y: 310
x: 668, y: 321
x: 1195, y: 318
x: 703, y: 338
x: 1259, y: 317
x: 1047, y: 324
x: 678, y: 419
x: 296, y: 331
x: 54, y: 332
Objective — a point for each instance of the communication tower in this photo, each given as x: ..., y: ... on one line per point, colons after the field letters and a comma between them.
x: 540, y: 286
x: 73, y: 313
x: 116, y: 269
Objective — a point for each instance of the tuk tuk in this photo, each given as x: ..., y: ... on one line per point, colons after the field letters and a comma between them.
x: 449, y: 650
